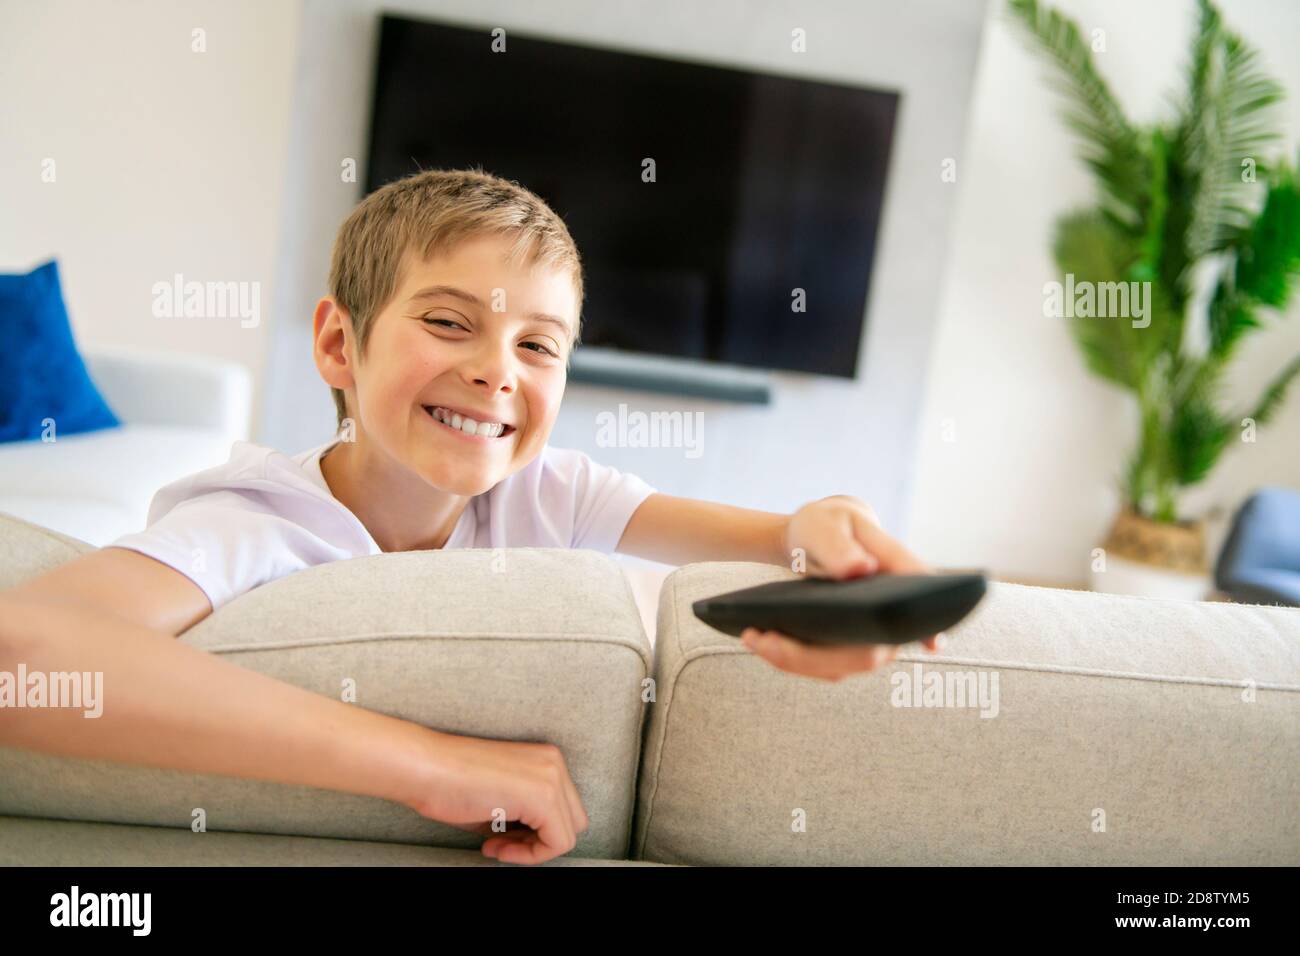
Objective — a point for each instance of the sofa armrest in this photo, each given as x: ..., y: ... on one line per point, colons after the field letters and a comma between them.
x: 516, y: 644
x: 155, y: 387
x: 1055, y: 727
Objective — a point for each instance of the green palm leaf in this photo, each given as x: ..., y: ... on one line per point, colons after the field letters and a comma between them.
x: 1111, y: 147
x: 1229, y: 120
x: 1175, y: 208
x: 1268, y: 250
x: 1230, y: 318
x: 1089, y: 247
x: 1198, y: 433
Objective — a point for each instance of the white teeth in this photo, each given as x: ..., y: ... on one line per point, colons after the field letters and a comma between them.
x: 468, y: 425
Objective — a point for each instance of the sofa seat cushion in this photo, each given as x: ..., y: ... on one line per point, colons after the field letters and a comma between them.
x: 97, y: 486
x: 25, y: 841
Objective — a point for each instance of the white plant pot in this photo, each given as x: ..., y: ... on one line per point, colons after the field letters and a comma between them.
x: 1144, y: 580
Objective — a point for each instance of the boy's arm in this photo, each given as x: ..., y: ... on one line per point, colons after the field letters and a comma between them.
x: 683, y: 530
x: 164, y: 703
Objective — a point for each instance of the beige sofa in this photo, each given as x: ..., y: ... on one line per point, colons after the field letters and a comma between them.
x: 1094, y: 729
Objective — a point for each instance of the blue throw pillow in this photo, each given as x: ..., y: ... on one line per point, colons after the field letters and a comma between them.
x: 41, y: 372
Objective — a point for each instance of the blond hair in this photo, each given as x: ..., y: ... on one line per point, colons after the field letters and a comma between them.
x: 430, y: 212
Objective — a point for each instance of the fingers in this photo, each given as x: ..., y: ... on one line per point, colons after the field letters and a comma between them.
x: 891, y: 556
x: 857, y: 504
x: 531, y: 847
x: 934, y: 643
x: 851, y: 559
x: 550, y: 835
x: 577, y: 814
x: 821, y: 662
x: 549, y: 830
x: 518, y: 846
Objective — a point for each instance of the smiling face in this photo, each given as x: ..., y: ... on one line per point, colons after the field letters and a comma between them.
x: 466, y: 336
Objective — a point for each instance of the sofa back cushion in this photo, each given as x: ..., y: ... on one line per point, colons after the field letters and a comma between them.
x: 516, y: 644
x: 28, y: 549
x: 1057, y: 727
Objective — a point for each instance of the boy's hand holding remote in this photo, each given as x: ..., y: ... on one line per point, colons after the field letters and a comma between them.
x: 840, y: 539
x: 839, y: 536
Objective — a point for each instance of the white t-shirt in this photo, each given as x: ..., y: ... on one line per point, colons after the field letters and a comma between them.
x: 264, y: 514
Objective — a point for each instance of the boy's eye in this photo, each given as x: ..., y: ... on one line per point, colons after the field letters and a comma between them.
x: 543, y: 348
x: 539, y: 346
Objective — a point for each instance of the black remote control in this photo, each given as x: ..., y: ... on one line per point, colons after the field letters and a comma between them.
x: 874, y: 609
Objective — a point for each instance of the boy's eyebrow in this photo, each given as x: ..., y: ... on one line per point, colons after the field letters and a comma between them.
x: 434, y: 291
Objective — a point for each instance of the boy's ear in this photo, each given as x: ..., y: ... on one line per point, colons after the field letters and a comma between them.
x: 333, y: 347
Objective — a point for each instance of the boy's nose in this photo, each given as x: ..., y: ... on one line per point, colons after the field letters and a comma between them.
x: 490, y: 366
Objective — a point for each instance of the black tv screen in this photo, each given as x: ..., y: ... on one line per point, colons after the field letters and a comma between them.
x: 766, y: 195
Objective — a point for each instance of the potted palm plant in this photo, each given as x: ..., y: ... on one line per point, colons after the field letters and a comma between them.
x: 1196, y: 212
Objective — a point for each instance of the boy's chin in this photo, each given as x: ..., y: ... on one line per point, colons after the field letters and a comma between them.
x: 466, y: 482
x: 467, y: 474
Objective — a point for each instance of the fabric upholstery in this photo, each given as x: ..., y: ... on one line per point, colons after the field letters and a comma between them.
x: 519, y: 644
x: 1260, y: 560
x: 1174, y: 724
x: 1126, y: 730
x: 31, y: 842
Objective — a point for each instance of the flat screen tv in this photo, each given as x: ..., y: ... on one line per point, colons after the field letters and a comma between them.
x: 748, y: 240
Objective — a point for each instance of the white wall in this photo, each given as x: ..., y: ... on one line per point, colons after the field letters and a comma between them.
x: 1028, y: 486
x: 224, y: 165
x: 166, y: 160
x: 821, y: 436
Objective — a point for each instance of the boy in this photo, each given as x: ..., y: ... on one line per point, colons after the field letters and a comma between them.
x: 454, y: 309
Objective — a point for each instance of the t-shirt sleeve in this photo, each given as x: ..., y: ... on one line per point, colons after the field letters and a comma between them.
x: 606, y: 499
x: 222, y: 541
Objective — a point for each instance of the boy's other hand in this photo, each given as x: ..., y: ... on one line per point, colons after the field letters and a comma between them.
x: 841, y: 539
x: 470, y: 781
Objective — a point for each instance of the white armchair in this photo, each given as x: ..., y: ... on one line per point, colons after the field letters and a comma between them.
x: 180, y: 413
